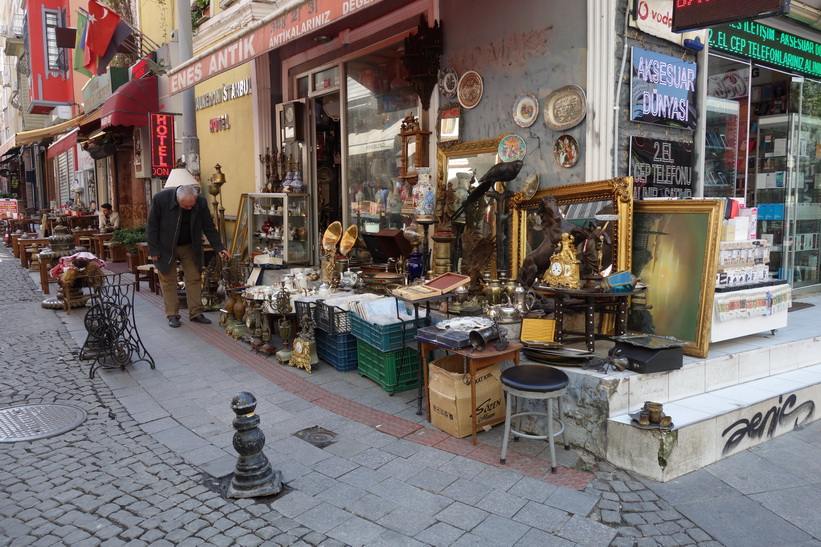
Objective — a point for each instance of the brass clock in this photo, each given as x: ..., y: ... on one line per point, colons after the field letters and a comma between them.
x: 301, y: 356
x: 564, y: 269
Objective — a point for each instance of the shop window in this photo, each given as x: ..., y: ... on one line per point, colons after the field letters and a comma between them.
x: 727, y: 121
x: 378, y: 100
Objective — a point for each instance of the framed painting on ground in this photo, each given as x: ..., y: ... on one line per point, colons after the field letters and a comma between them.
x: 675, y: 251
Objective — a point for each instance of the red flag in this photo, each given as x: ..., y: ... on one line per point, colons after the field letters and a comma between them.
x: 102, y: 22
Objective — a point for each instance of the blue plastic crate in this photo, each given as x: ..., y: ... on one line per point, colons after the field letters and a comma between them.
x: 338, y: 350
x: 385, y: 337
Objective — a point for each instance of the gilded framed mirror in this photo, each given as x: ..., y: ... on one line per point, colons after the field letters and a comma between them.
x: 458, y: 164
x: 611, y: 199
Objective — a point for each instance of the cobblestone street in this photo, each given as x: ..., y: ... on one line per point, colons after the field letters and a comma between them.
x: 119, y: 480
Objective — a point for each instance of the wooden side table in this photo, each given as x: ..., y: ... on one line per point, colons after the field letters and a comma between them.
x: 97, y: 244
x: 607, y: 302
x: 476, y: 361
x: 24, y: 243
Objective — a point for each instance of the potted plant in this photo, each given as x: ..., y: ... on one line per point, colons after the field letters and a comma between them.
x: 129, y: 238
x: 200, y: 12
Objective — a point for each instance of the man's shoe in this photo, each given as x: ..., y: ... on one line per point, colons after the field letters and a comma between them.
x: 174, y: 322
x: 200, y: 319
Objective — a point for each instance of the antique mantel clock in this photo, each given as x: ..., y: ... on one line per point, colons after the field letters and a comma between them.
x: 564, y: 266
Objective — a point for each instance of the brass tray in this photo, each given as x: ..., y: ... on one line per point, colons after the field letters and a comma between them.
x: 565, y: 108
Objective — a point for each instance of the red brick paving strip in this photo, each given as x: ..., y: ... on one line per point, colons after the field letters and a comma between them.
x: 386, y: 423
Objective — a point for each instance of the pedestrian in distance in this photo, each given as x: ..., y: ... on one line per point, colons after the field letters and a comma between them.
x: 178, y: 219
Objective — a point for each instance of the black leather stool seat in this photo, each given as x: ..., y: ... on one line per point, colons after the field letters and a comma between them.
x: 535, y: 378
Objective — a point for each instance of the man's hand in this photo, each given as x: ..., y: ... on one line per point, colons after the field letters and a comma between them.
x: 225, y: 255
x: 153, y: 258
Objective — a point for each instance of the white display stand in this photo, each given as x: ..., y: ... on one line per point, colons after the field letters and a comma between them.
x: 743, y: 326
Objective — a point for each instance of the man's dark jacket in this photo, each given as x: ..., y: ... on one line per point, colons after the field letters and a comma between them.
x: 164, y: 222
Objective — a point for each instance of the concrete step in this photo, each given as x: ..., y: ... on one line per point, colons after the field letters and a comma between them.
x: 710, y: 426
x: 726, y: 365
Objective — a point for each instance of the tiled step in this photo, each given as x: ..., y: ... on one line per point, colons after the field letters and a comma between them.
x: 713, y: 425
x: 726, y: 366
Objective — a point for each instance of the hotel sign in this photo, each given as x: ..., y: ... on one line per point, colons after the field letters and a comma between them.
x: 300, y: 21
x: 162, y: 144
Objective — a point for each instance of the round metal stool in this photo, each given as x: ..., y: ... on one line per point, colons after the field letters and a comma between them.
x: 534, y: 382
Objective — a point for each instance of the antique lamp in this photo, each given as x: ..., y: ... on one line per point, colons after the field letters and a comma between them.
x: 217, y: 180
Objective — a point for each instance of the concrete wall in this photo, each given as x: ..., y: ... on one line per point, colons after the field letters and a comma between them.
x: 533, y: 46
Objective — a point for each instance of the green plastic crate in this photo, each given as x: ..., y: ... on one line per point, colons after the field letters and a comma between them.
x: 395, y: 371
x: 385, y: 337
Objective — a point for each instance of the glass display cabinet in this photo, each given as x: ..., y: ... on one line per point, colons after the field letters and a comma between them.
x: 279, y: 231
x: 788, y: 195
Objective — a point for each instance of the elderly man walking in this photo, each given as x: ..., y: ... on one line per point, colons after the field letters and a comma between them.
x: 176, y: 223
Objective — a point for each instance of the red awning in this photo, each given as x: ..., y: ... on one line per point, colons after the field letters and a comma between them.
x: 65, y: 143
x: 131, y: 103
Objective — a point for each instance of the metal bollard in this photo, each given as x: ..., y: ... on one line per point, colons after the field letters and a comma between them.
x: 253, y: 476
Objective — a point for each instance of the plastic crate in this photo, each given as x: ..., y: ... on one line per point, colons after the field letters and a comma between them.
x: 395, y: 371
x: 338, y: 350
x: 385, y: 337
x: 332, y: 319
x: 305, y: 307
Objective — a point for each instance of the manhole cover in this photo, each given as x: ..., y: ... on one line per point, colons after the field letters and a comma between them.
x: 29, y: 422
x: 317, y: 436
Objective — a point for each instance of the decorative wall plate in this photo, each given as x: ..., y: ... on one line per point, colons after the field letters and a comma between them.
x: 470, y: 88
x: 448, y: 80
x: 565, y: 108
x: 525, y: 109
x: 512, y: 148
x: 566, y: 151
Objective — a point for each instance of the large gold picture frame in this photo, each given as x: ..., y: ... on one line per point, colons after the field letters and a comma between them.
x: 675, y: 251
x: 617, y: 191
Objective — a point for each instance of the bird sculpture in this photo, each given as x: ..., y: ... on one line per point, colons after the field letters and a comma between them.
x: 501, y: 172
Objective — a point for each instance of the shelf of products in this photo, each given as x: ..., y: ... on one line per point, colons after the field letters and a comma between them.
x: 279, y: 229
x: 788, y: 195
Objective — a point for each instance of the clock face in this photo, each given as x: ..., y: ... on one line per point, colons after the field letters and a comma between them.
x: 288, y: 112
x: 298, y: 345
x: 556, y: 268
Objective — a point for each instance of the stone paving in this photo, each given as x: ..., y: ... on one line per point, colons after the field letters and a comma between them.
x: 117, y: 480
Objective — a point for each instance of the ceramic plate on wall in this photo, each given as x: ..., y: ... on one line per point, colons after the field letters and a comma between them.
x: 470, y: 89
x: 525, y: 109
x: 512, y: 148
x: 565, y: 108
x: 566, y: 151
x: 448, y: 80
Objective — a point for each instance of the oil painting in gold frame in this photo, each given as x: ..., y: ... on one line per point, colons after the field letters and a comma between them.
x: 675, y: 251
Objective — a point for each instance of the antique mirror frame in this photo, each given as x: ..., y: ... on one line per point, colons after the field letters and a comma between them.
x: 619, y: 191
x: 443, y: 154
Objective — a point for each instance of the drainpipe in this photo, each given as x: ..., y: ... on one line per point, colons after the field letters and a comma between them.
x: 190, y: 142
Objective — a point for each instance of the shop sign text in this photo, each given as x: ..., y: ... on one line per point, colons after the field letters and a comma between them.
x: 162, y: 144
x: 220, y: 123
x: 662, y: 89
x: 223, y: 94
x: 661, y: 169
x: 303, y: 19
x: 692, y: 14
x: 769, y: 45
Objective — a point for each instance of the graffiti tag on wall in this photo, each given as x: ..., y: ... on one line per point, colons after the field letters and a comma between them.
x: 766, y: 424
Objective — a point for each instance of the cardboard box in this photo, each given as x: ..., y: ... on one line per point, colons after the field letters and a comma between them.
x: 449, y: 395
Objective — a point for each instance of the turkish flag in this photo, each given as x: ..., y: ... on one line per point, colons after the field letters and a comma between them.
x: 102, y: 22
